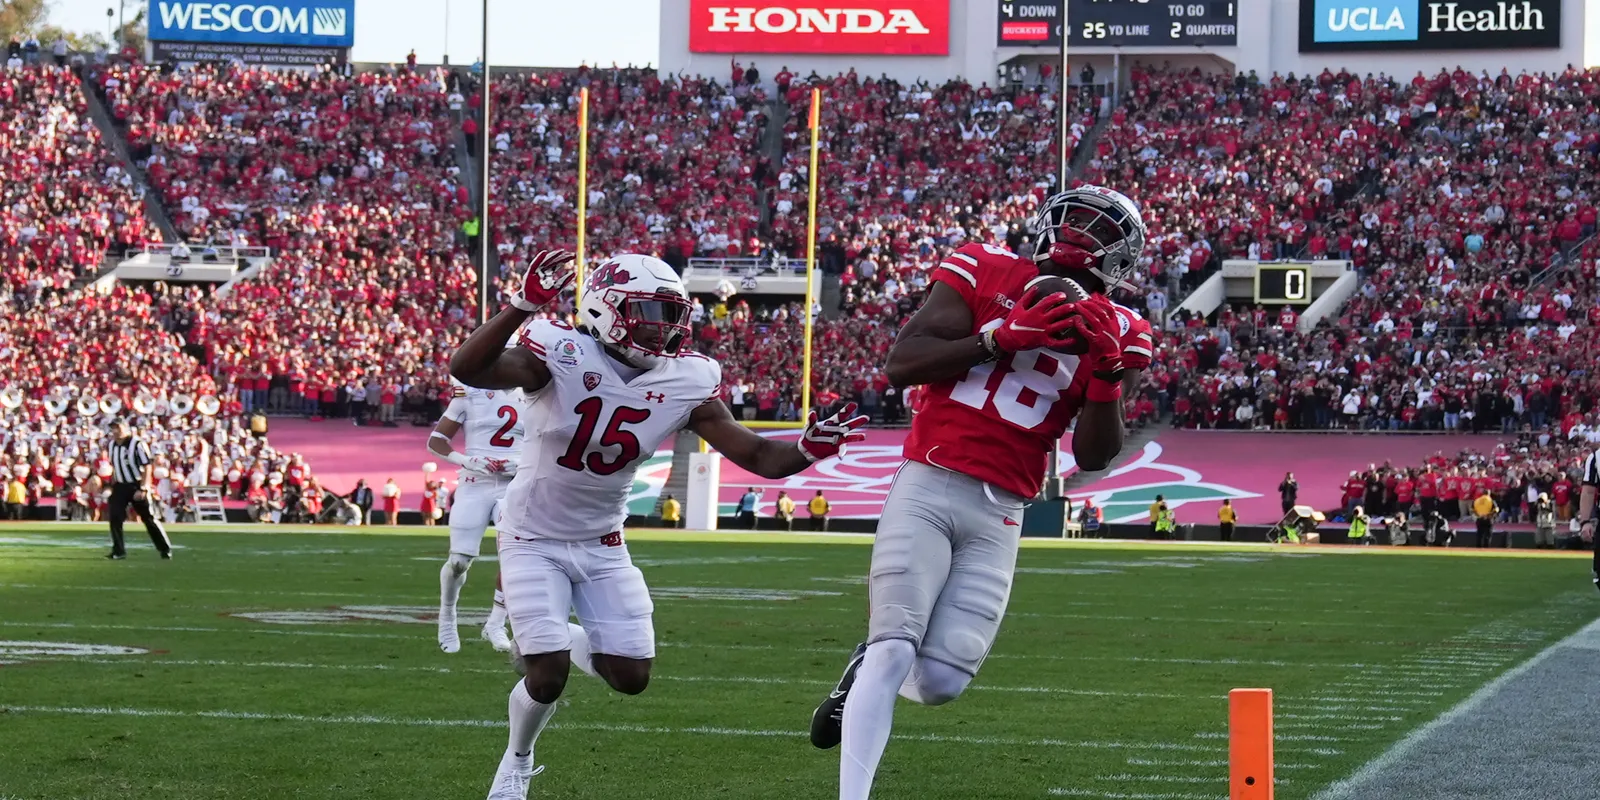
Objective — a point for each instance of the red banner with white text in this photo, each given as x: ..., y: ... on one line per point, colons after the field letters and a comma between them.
x: 856, y: 27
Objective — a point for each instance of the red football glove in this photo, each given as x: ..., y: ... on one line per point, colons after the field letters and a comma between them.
x: 829, y: 437
x: 1032, y: 325
x: 1095, y: 322
x: 548, y: 273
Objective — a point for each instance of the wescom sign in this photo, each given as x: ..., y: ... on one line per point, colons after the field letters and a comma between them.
x: 865, y: 27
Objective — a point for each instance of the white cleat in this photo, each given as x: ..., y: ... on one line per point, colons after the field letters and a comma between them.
x: 449, y: 640
x: 496, y: 636
x: 511, y: 779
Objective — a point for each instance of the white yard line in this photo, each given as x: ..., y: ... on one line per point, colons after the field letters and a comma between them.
x: 426, y: 722
x: 506, y: 672
x: 1103, y: 795
x: 1201, y: 763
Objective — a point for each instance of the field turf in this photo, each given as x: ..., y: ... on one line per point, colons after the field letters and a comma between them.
x: 1108, y: 680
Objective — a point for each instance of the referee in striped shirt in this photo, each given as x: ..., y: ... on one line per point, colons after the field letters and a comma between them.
x: 131, y: 483
x: 1585, y: 519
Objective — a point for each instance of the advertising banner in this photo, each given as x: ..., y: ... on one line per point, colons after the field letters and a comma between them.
x: 858, y: 27
x: 248, y: 53
x: 296, y: 23
x: 1400, y: 25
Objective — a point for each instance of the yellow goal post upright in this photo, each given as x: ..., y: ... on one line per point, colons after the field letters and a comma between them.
x: 701, y: 480
x: 583, y: 184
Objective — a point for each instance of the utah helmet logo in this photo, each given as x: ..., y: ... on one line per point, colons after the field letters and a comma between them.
x: 591, y: 380
x: 607, y: 275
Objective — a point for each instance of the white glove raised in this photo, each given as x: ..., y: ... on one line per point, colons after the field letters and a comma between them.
x: 829, y: 437
x: 549, y: 271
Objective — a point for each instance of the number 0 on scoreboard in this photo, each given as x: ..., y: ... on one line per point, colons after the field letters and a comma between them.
x: 1283, y: 284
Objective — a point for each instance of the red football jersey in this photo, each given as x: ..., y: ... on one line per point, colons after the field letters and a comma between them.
x: 999, y: 421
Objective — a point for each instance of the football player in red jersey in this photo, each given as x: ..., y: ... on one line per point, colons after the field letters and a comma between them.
x: 998, y: 391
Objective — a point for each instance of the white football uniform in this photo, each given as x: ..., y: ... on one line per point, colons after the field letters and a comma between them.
x: 561, y: 545
x: 491, y: 420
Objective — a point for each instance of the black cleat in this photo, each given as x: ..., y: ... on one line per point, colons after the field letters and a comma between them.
x: 827, y: 722
x: 167, y: 554
x: 116, y: 556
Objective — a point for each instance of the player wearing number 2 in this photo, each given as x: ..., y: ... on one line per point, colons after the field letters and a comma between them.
x: 600, y: 399
x: 493, y: 424
x: 999, y: 389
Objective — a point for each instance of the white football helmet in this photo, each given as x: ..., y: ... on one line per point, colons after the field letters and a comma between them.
x: 1092, y: 228
x: 638, y: 306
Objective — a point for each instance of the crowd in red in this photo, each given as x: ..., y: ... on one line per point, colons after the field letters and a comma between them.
x: 352, y: 181
x: 674, y: 167
x: 1451, y: 193
x: 65, y: 200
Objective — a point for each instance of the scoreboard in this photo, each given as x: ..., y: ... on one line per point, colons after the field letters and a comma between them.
x: 1283, y: 284
x: 1119, y: 23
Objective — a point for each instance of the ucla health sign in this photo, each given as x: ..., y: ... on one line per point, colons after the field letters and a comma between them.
x: 1398, y: 25
x: 294, y: 23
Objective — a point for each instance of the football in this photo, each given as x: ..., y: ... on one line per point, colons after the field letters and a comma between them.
x: 1074, y: 292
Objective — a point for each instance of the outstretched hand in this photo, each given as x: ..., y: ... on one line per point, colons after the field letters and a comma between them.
x: 829, y: 436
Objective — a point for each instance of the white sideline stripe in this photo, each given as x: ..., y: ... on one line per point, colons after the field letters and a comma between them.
x: 177, y: 662
x: 1342, y: 717
x: 1401, y: 749
x: 1214, y: 620
x: 426, y: 722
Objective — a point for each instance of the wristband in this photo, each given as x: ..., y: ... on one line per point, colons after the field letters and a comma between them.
x: 520, y: 304
x: 987, y: 338
x: 1103, y: 392
x: 457, y: 458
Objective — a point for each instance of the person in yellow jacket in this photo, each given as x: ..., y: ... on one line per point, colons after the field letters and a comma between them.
x: 819, y: 512
x: 1485, y: 509
x: 1227, y: 516
x: 785, y: 510
x: 1166, y: 522
x: 16, y: 497
x: 671, y: 512
x: 1359, y: 525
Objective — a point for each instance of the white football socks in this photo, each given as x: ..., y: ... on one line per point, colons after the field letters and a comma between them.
x: 497, y: 612
x: 528, y: 718
x: 869, y: 714
x: 451, y: 576
x: 581, y: 657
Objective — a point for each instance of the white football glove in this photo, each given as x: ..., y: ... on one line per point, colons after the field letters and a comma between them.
x: 548, y: 273
x: 829, y: 437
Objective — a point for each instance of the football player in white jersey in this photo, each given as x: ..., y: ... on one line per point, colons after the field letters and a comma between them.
x: 600, y: 398
x: 492, y: 420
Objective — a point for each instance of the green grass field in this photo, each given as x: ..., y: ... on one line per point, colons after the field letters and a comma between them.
x: 1108, y: 680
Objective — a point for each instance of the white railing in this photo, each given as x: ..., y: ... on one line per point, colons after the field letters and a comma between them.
x: 224, y: 252
x: 742, y: 267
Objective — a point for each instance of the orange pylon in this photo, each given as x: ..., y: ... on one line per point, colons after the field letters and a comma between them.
x: 1250, y: 744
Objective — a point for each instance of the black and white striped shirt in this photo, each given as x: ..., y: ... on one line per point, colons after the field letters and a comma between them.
x: 1591, y: 470
x: 128, y: 459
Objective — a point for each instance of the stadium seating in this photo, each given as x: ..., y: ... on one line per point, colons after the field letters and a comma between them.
x: 65, y: 200
x: 351, y: 180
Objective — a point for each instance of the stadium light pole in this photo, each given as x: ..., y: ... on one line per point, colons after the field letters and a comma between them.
x: 484, y: 292
x: 1061, y: 105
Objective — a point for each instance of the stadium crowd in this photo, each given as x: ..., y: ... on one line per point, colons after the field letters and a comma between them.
x: 1468, y: 203
x: 65, y: 200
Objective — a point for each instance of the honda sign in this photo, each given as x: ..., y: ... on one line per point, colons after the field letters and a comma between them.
x: 860, y: 27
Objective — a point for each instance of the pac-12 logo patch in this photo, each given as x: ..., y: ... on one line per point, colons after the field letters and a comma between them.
x: 591, y: 380
x: 569, y: 353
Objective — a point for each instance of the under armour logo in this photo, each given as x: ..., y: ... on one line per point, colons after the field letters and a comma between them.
x: 655, y: 396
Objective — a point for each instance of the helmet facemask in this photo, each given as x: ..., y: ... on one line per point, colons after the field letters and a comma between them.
x: 648, y: 325
x: 1082, y: 229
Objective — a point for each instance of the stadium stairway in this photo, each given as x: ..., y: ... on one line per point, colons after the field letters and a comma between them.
x: 677, y: 485
x: 109, y: 132
x: 1085, y: 149
x: 772, y: 150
